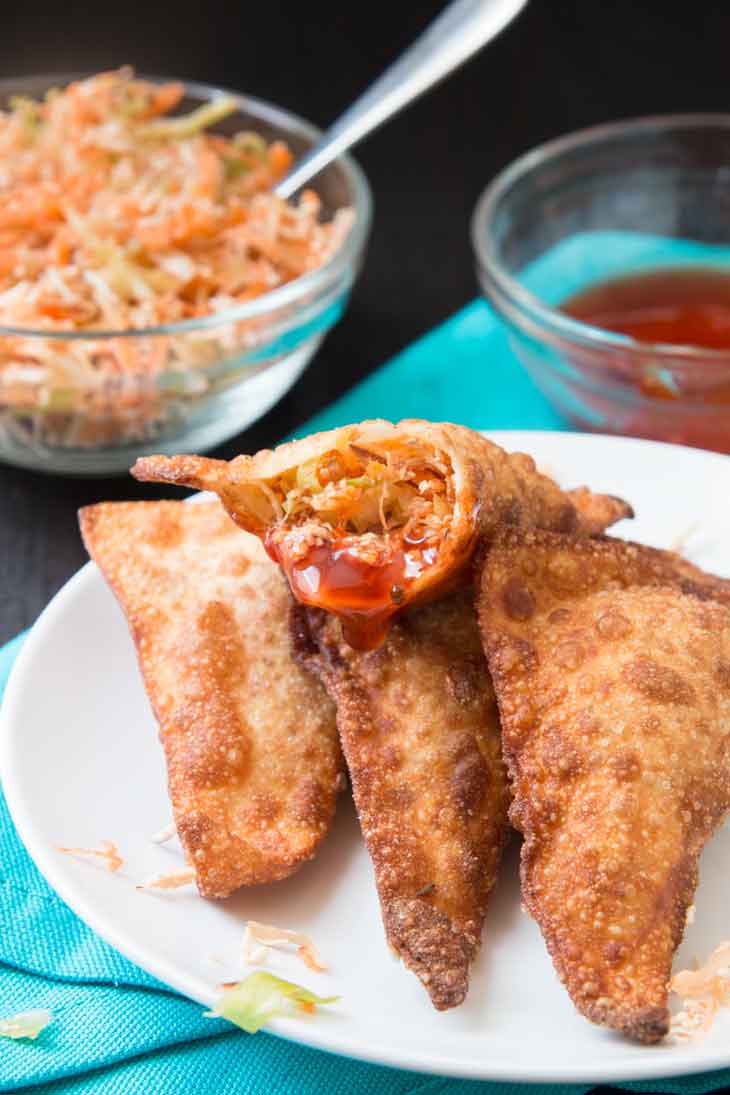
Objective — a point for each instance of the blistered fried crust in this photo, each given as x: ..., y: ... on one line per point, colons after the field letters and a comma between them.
x: 614, y: 694
x: 488, y: 486
x: 253, y: 761
x: 419, y: 729
x: 602, y: 560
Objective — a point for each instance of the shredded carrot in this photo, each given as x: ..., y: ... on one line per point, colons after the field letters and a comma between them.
x: 168, y: 881
x: 309, y: 957
x: 259, y: 937
x: 163, y: 99
x: 108, y: 852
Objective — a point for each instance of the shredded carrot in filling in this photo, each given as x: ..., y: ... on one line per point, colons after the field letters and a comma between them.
x: 372, y: 500
x: 107, y: 852
x: 115, y: 215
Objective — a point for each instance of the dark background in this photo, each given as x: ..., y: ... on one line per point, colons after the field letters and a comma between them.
x: 563, y: 64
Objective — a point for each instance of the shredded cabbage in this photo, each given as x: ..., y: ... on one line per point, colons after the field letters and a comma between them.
x: 261, y: 997
x: 703, y: 992
x: 25, y: 1024
x: 307, y: 478
x: 189, y: 124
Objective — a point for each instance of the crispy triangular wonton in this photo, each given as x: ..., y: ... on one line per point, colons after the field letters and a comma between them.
x: 253, y: 761
x: 613, y: 685
x: 419, y: 729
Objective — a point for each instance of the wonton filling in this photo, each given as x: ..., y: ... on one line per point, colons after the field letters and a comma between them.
x: 356, y: 525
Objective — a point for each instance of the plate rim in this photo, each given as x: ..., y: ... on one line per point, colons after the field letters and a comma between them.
x: 520, y: 1070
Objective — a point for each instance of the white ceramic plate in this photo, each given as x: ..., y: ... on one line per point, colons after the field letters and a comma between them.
x: 80, y: 762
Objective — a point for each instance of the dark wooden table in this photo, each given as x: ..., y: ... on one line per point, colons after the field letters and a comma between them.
x: 563, y: 65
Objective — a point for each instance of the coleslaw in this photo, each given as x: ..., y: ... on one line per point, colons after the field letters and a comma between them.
x: 116, y: 215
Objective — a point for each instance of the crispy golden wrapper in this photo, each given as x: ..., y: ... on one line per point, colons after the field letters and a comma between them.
x: 613, y: 681
x: 419, y: 729
x: 253, y: 761
x: 370, y: 518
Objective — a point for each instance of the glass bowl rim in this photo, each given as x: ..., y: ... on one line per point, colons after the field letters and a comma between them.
x: 560, y: 324
x: 285, y: 295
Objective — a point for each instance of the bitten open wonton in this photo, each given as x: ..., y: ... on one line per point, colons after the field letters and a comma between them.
x: 370, y: 518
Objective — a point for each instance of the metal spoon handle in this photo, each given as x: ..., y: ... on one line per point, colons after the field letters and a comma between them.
x: 461, y: 29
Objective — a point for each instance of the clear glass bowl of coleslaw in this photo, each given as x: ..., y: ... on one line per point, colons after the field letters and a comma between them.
x: 190, y: 384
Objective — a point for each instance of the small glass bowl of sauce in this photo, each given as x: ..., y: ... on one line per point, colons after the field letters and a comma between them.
x: 607, y: 255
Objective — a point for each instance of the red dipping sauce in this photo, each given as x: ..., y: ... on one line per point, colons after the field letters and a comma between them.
x: 363, y: 596
x: 683, y: 307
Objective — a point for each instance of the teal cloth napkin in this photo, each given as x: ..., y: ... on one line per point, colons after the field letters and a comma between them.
x: 464, y: 370
x: 117, y: 1030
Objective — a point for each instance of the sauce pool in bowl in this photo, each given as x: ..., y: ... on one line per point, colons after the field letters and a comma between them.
x: 681, y: 306
x: 686, y: 307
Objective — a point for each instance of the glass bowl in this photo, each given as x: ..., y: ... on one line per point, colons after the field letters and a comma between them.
x: 598, y: 204
x: 220, y: 373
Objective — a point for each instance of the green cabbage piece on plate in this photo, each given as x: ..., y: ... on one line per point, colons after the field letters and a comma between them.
x: 252, y: 1003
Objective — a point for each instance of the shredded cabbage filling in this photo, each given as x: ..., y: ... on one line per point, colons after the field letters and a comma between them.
x: 371, y: 500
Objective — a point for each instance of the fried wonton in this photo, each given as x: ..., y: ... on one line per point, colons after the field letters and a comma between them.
x: 419, y: 728
x: 613, y: 681
x: 253, y: 760
x: 370, y: 518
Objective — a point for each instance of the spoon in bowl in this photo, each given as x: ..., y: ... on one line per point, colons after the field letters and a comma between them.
x: 457, y: 33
